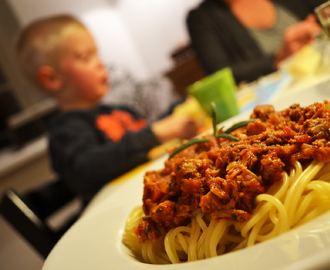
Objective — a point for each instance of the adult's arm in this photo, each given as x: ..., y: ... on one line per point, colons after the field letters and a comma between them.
x: 313, y: 3
x: 212, y: 48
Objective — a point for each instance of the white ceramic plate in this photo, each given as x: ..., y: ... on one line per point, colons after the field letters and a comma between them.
x: 94, y: 242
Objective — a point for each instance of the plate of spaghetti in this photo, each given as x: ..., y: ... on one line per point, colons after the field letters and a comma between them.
x: 258, y: 199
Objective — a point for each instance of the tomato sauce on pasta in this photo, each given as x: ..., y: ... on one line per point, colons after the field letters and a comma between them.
x: 220, y: 184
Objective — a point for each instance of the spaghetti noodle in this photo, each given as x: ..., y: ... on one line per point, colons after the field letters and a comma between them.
x: 280, y: 169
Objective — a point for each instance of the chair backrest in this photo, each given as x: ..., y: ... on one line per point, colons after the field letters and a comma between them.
x: 28, y: 213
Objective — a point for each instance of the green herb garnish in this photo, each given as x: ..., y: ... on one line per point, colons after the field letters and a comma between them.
x: 187, y: 144
x: 214, y: 118
x: 226, y: 136
x: 217, y: 133
x: 239, y: 125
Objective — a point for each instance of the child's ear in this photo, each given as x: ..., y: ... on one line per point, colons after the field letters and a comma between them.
x: 48, y: 78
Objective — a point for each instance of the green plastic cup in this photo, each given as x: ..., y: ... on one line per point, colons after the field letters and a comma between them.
x: 219, y: 87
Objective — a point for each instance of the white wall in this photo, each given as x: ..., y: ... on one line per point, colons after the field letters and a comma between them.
x: 158, y: 27
x: 137, y: 35
x: 28, y: 10
x: 117, y: 47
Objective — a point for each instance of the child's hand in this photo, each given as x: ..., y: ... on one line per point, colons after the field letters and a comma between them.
x: 174, y: 126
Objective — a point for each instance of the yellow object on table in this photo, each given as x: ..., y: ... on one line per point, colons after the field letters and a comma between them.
x: 305, y: 62
x: 192, y: 108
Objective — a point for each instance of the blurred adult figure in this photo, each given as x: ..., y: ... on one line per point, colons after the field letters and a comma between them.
x: 251, y: 37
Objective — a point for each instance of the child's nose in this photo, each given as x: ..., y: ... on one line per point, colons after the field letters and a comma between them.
x: 99, y: 62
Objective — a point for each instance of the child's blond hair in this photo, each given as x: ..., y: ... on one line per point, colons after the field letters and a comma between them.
x: 37, y: 44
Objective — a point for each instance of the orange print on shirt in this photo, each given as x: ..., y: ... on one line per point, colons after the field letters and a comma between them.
x: 117, y: 123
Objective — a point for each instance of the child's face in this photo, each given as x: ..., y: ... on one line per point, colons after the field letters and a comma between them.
x: 81, y: 70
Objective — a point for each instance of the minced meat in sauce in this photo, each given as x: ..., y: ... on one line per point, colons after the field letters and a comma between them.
x: 223, y: 177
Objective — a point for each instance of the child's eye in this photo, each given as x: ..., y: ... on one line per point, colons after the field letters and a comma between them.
x: 84, y: 56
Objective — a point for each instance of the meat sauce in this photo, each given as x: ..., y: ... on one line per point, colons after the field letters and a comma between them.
x: 223, y: 177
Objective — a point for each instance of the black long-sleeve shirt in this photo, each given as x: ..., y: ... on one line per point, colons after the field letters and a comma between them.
x: 220, y: 40
x: 89, y: 148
